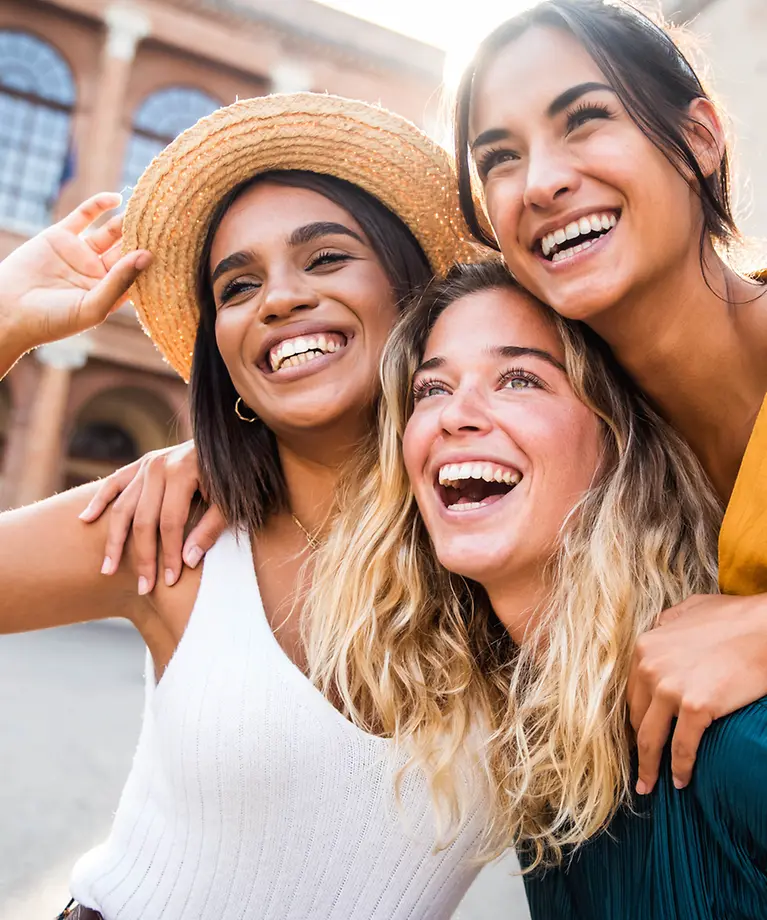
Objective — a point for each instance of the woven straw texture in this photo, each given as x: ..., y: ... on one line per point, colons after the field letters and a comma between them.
x: 170, y: 210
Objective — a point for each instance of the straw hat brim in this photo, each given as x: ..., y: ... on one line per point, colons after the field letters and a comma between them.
x: 171, y: 207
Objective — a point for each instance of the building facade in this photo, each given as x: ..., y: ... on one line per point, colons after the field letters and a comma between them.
x: 90, y: 91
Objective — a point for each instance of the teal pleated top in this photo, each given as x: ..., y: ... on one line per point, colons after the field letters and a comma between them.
x: 699, y: 853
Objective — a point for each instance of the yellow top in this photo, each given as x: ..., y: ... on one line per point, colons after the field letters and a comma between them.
x: 743, y: 537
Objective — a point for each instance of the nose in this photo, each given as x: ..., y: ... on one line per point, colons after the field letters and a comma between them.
x: 286, y: 292
x: 465, y: 412
x: 551, y: 174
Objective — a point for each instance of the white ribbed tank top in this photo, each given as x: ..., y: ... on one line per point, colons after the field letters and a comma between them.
x: 251, y: 797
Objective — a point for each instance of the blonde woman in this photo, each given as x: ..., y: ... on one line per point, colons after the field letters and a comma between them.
x: 529, y: 516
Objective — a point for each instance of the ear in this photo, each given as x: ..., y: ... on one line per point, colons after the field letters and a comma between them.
x: 705, y: 135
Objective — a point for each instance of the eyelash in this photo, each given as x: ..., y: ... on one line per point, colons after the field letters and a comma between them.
x: 584, y: 112
x: 516, y: 373
x: 576, y: 117
x: 421, y: 388
x: 322, y: 258
x: 490, y: 158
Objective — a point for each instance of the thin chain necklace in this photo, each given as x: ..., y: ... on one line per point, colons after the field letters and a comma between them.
x: 313, y: 542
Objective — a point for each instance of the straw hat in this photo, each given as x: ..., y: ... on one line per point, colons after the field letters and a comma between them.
x: 170, y: 210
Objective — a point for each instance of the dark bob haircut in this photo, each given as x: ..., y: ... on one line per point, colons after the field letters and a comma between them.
x: 239, y: 462
x: 650, y: 75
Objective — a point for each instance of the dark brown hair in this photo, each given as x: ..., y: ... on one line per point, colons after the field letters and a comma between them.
x: 239, y: 462
x: 650, y: 75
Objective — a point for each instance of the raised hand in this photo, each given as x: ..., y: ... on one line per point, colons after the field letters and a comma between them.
x: 63, y: 281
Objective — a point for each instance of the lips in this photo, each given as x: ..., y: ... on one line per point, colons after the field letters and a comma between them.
x: 474, y: 484
x: 301, y: 349
x: 572, y: 237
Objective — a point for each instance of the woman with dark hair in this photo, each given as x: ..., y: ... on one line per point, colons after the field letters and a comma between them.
x: 602, y: 166
x: 277, y: 270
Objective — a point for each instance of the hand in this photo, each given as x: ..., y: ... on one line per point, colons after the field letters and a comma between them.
x: 705, y: 659
x: 61, y: 282
x: 155, y: 493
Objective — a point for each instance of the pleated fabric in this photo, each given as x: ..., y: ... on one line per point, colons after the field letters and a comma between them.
x: 698, y: 853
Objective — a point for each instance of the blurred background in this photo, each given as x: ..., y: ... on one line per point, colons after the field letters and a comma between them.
x: 90, y: 91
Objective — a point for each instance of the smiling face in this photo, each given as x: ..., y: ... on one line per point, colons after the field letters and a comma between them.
x: 303, y: 308
x: 586, y: 209
x: 498, y: 448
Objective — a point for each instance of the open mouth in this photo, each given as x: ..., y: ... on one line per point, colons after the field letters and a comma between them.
x: 303, y: 349
x: 566, y: 242
x: 476, y: 484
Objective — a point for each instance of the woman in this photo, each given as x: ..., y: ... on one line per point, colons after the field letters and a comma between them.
x: 516, y: 455
x: 250, y: 795
x: 604, y: 172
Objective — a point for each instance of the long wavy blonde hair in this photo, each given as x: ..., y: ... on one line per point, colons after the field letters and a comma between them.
x: 415, y: 653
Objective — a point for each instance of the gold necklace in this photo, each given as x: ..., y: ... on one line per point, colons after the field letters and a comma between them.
x: 311, y: 540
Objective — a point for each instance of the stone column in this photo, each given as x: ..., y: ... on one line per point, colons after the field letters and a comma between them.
x: 126, y: 26
x: 45, y: 428
x: 289, y: 76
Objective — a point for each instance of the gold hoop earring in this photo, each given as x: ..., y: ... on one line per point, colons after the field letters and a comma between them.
x: 239, y: 414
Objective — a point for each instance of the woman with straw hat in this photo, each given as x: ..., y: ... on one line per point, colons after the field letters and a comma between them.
x: 285, y: 234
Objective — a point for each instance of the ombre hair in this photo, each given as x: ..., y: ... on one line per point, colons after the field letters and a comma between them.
x: 416, y: 653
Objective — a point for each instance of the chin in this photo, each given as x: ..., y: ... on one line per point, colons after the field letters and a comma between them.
x: 472, y: 561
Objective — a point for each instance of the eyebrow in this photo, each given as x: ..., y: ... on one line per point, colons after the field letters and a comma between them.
x: 562, y: 101
x: 299, y: 237
x: 575, y: 92
x: 501, y: 351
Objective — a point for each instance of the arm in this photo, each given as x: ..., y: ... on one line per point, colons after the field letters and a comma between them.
x: 705, y: 659
x: 49, y: 568
x: 62, y: 281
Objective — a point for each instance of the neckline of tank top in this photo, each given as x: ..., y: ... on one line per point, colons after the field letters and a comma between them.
x: 238, y: 545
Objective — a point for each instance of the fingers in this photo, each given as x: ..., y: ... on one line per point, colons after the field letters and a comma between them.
x: 146, y: 524
x: 106, y: 236
x: 203, y: 536
x: 120, y: 521
x: 111, y: 291
x: 651, y: 739
x: 91, y: 209
x: 176, y: 508
x: 692, y: 723
x: 109, y: 489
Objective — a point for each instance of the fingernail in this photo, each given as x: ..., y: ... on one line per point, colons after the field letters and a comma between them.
x: 170, y: 577
x: 85, y: 514
x: 143, y: 260
x: 106, y: 566
x: 143, y: 585
x: 192, y: 556
x: 678, y: 784
x: 641, y: 787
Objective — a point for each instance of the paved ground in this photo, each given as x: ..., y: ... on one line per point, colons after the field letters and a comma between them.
x: 69, y: 721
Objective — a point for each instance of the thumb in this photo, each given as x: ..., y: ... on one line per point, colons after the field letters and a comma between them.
x: 111, y: 291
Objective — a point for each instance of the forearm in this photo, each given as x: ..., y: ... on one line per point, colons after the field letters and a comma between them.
x: 11, y: 345
x: 50, y: 565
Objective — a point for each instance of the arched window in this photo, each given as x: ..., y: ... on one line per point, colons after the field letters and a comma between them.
x: 37, y: 95
x: 158, y: 120
x: 102, y: 441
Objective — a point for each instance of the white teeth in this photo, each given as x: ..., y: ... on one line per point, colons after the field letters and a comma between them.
x: 593, y: 223
x: 458, y: 472
x: 465, y: 506
x: 303, y: 345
